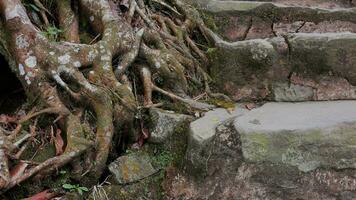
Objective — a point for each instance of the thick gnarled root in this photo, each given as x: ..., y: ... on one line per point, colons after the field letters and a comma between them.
x: 67, y: 77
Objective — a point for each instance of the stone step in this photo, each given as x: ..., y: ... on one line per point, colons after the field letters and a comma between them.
x: 228, y: 5
x: 327, y: 4
x: 330, y: 4
x: 242, y: 20
x: 307, y: 135
x: 297, y: 67
x: 280, y: 52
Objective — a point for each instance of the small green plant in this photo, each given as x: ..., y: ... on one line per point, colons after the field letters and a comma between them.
x: 164, y: 159
x: 211, y: 50
x: 77, y: 188
x: 52, y: 33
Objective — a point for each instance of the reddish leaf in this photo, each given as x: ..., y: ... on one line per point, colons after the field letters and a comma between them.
x: 7, y: 119
x: 250, y: 106
x: 45, y: 195
x: 141, y: 141
x: 144, y: 131
x: 143, y: 136
x: 18, y: 170
x: 59, y: 143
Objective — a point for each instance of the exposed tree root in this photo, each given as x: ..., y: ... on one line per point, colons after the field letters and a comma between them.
x: 68, y: 77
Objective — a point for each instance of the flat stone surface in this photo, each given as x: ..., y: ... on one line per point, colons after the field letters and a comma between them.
x: 228, y: 5
x: 307, y: 135
x: 202, y: 137
x: 275, y: 117
x: 164, y: 124
x: 131, y: 168
x: 288, y: 151
x: 204, y: 128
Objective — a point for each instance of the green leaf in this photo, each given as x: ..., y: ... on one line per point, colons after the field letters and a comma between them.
x: 34, y: 7
x: 80, y: 191
x: 68, y: 186
x: 211, y: 50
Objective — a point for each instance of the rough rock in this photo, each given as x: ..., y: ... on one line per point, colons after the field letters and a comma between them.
x: 131, y: 168
x: 292, y: 92
x: 299, y: 67
x: 305, y: 135
x: 273, y: 42
x: 277, y: 151
x: 164, y: 124
x: 241, y: 20
x: 202, y: 138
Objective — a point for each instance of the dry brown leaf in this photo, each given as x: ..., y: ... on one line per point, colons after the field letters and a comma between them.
x: 45, y: 195
x: 7, y: 119
x: 18, y: 170
x: 59, y: 143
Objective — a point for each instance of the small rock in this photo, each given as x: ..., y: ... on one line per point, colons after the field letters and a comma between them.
x: 131, y: 168
x: 210, y: 135
x: 292, y: 93
x: 164, y: 124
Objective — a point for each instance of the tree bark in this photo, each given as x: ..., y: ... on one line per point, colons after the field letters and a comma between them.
x: 50, y: 70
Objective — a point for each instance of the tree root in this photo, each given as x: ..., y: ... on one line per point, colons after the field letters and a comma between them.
x: 66, y: 76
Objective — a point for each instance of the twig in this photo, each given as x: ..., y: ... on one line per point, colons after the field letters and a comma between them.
x: 190, y: 102
x: 29, y: 116
x: 93, y: 40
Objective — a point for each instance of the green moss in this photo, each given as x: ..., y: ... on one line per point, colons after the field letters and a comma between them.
x: 259, y: 146
x: 52, y: 33
x: 177, y: 107
x: 209, y: 21
x: 313, y: 136
x: 352, y: 139
x: 212, y: 54
x: 222, y: 103
x: 163, y: 159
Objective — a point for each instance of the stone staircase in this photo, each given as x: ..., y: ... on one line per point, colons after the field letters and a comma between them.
x: 300, y: 57
x: 283, y: 53
x: 282, y: 150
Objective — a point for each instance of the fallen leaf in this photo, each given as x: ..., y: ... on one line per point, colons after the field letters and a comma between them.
x: 45, y: 195
x: 7, y: 119
x: 59, y: 143
x: 250, y: 106
x: 18, y: 170
x: 144, y: 131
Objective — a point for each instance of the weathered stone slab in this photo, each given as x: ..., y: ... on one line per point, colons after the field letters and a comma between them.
x: 306, y: 135
x: 235, y: 21
x: 203, y: 137
x: 315, y: 43
x: 203, y: 129
x: 326, y: 4
x: 277, y: 151
x: 299, y: 67
x: 131, y: 168
x: 164, y: 124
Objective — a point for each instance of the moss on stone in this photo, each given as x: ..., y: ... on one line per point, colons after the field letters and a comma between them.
x: 222, y: 103
x: 209, y: 20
